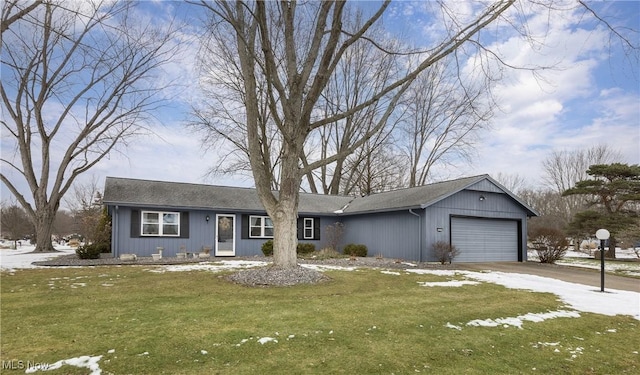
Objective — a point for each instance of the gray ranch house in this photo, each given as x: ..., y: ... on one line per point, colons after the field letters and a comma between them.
x: 476, y: 214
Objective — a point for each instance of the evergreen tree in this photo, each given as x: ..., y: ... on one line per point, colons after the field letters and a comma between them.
x: 614, y: 192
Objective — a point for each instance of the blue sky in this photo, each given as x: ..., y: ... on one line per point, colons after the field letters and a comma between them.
x: 592, y: 97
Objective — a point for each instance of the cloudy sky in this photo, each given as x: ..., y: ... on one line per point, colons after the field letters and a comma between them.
x: 590, y: 97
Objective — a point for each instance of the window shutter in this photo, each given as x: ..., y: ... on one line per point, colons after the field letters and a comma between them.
x: 300, y: 228
x: 244, y: 231
x: 184, y: 224
x: 316, y: 228
x: 135, y: 224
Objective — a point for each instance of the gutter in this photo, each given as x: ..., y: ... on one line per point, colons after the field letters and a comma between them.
x: 419, y: 233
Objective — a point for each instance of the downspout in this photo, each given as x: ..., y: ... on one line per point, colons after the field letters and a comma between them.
x: 419, y: 234
x: 114, y: 232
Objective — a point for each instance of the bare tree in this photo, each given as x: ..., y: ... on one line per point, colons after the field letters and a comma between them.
x: 562, y: 169
x: 512, y: 181
x: 355, y: 77
x: 291, y: 51
x: 373, y: 168
x: 14, y: 11
x: 15, y: 222
x: 443, y: 115
x: 78, y: 79
x: 85, y: 203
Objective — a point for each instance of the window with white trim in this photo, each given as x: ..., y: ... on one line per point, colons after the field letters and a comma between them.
x: 308, y: 228
x: 156, y: 223
x: 260, y: 227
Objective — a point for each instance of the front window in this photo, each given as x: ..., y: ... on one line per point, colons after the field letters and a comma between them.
x: 260, y: 227
x: 160, y: 223
x: 308, y: 228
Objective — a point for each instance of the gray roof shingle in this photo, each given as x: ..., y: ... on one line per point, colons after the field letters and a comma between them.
x: 415, y: 197
x: 141, y: 193
x: 133, y: 192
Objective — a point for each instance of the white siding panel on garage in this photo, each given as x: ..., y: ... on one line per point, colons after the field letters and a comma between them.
x: 484, y: 240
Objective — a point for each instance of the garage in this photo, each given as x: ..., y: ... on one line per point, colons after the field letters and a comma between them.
x: 485, y: 240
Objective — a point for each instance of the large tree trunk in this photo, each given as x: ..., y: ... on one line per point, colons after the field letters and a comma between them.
x: 44, y: 228
x: 285, y: 215
x: 285, y: 238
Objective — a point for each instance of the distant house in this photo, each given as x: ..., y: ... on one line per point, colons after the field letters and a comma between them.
x: 476, y: 214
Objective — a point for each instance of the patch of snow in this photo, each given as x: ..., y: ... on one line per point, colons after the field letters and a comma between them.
x: 390, y: 273
x: 578, y: 297
x: 449, y: 325
x: 211, y: 267
x: 204, y: 352
x: 325, y: 267
x: 452, y: 283
x: 546, y: 344
x: 265, y: 340
x: 409, y: 264
x: 111, y: 351
x: 23, y: 257
x: 143, y: 354
x: 519, y: 320
x: 84, y: 361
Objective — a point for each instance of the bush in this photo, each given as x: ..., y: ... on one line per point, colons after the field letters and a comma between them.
x: 305, y: 248
x: 551, y: 244
x: 267, y: 248
x: 103, y: 247
x: 356, y: 250
x: 89, y: 251
x: 445, y: 252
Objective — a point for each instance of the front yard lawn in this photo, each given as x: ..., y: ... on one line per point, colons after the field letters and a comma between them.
x: 129, y: 320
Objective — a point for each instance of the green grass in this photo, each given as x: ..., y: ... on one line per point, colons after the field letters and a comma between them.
x: 360, y: 322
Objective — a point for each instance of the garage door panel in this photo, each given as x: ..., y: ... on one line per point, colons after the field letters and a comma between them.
x: 485, y: 240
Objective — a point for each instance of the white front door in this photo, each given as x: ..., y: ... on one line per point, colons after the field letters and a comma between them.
x: 225, y: 235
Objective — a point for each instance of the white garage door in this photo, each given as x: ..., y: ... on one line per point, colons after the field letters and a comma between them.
x: 484, y: 240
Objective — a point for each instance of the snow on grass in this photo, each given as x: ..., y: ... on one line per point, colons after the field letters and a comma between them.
x: 264, y: 340
x: 83, y: 362
x: 451, y: 283
x: 327, y: 267
x: 23, y: 257
x: 390, y: 273
x: 519, y: 320
x: 453, y: 326
x: 210, y: 267
x: 578, y: 297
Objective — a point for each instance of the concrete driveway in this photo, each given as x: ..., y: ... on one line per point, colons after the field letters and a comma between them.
x: 569, y: 274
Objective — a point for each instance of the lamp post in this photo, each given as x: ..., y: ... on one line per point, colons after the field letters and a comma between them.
x: 602, y: 235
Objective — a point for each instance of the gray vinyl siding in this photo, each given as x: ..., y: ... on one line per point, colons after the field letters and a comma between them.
x: 468, y: 204
x: 377, y: 221
x: 253, y: 246
x: 390, y: 234
x: 201, y: 234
